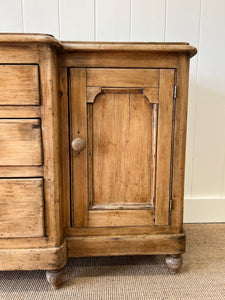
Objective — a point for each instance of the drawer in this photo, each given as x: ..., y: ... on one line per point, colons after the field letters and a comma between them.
x: 20, y: 142
x: 19, y: 85
x: 21, y: 207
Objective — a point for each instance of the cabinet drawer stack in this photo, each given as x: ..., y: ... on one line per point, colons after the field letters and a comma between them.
x: 21, y: 154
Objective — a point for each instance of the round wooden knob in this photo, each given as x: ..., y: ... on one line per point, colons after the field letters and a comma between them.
x: 79, y: 144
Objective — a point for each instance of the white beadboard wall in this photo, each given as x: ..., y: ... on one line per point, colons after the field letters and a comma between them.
x: 200, y: 22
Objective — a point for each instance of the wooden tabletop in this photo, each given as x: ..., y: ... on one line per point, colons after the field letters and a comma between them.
x: 181, y: 47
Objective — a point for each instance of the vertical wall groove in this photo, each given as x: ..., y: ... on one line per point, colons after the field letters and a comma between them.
x: 22, y: 15
x: 130, y: 22
x: 165, y: 20
x: 95, y: 31
x: 196, y: 98
x: 59, y: 20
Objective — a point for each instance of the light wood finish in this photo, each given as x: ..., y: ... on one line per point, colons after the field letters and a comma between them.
x: 179, y: 142
x: 164, y: 147
x: 25, y: 242
x: 19, y: 85
x: 125, y: 230
x: 65, y: 138
x: 112, y: 218
x: 14, y: 171
x: 130, y: 47
x: 122, y: 149
x: 51, y: 258
x: 123, y: 60
x: 51, y: 144
x: 154, y: 152
x: 116, y: 206
x: 22, y: 208
x: 152, y: 95
x: 111, y: 195
x: 126, y: 245
x: 19, y: 54
x: 122, y: 77
x: 92, y: 92
x: 31, y: 112
x: 27, y: 39
x: 20, y: 141
x: 174, y: 263
x: 78, y: 128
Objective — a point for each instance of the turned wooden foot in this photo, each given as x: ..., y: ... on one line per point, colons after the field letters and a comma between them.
x: 174, y: 263
x: 56, y: 277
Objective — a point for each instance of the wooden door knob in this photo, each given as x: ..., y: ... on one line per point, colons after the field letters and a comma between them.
x: 78, y: 144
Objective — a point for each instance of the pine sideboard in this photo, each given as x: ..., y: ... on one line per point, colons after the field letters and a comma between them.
x: 92, y: 151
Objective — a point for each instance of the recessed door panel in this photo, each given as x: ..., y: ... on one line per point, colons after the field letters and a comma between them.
x: 118, y: 126
x: 122, y: 125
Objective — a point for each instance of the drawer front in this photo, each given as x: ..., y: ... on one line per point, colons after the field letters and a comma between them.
x: 20, y: 142
x: 19, y: 85
x: 21, y: 208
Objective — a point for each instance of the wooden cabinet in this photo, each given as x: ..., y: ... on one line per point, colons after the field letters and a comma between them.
x: 123, y: 176
x: 93, y: 148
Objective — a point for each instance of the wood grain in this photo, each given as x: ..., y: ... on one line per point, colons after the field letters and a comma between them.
x: 20, y: 142
x: 126, y: 245
x: 25, y: 112
x: 28, y: 39
x: 19, y: 54
x: 123, y: 60
x: 152, y: 95
x: 122, y: 77
x: 123, y: 230
x: 92, y: 92
x: 19, y: 85
x: 51, y: 143
x: 65, y: 144
x: 164, y: 145
x: 78, y: 128
x: 118, y: 97
x: 50, y: 258
x: 180, y: 142
x: 122, y: 149
x: 33, y: 171
x: 154, y: 47
x: 22, y: 208
x: 111, y: 218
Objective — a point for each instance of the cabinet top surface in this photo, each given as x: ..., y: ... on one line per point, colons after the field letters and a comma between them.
x: 80, y: 46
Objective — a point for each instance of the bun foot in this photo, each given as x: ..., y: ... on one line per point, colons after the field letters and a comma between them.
x: 174, y: 263
x: 56, y: 277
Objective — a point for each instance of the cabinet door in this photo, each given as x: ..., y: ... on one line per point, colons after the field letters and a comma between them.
x: 121, y: 127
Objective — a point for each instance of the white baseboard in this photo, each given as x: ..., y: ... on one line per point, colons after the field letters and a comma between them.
x: 204, y: 210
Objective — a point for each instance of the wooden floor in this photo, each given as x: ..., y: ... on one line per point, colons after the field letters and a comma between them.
x: 136, y: 277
